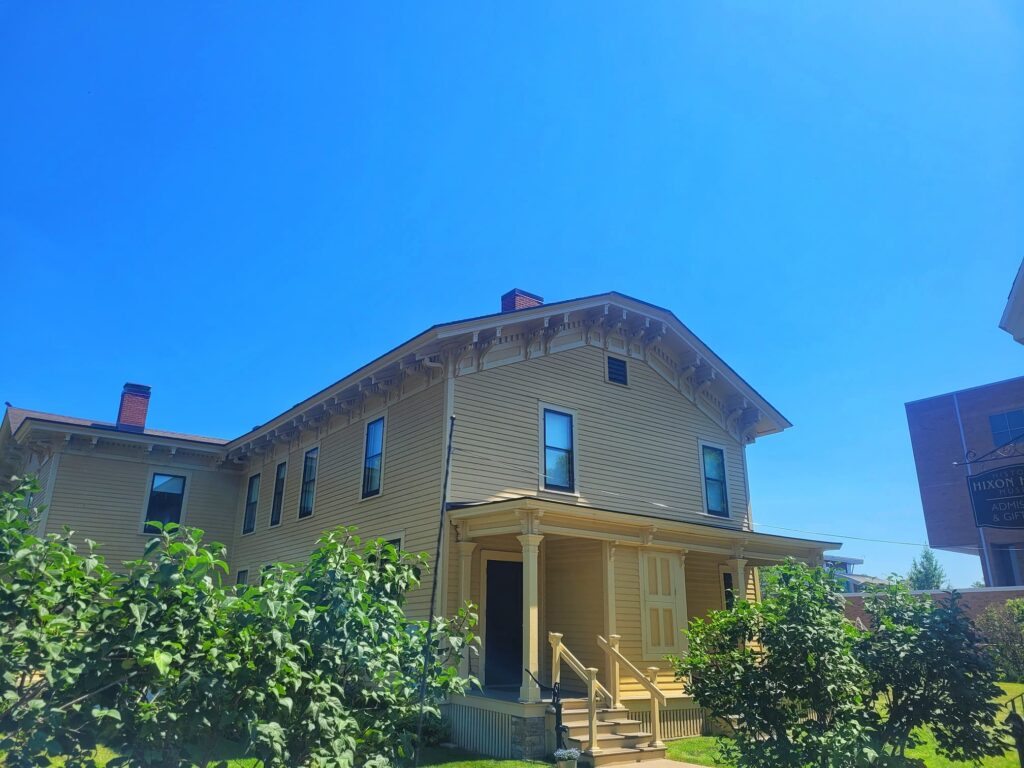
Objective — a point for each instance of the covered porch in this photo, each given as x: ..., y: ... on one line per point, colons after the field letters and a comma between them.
x: 595, y: 600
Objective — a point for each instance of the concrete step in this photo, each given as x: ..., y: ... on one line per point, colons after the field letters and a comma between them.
x: 622, y: 756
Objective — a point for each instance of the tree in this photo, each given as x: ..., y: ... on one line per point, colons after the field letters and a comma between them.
x: 927, y: 666
x: 804, y: 688
x: 766, y: 665
x: 1003, y: 628
x: 926, y: 572
x: 316, y: 665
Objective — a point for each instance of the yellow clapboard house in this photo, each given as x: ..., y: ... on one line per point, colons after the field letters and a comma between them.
x: 598, y: 500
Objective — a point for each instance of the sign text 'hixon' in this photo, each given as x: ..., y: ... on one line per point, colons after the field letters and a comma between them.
x: 998, y: 497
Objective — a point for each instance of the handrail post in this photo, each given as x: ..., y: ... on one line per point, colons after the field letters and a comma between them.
x: 555, y: 638
x: 592, y: 708
x: 652, y: 675
x: 613, y: 670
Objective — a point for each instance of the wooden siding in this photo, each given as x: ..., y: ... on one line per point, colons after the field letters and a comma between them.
x: 103, y: 497
x: 407, y: 505
x: 574, y: 604
x: 637, y: 446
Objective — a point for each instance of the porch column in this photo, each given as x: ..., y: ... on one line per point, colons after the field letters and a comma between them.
x: 465, y: 549
x: 739, y: 587
x: 529, y: 691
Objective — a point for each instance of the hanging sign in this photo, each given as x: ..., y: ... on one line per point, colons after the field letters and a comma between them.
x: 997, y: 497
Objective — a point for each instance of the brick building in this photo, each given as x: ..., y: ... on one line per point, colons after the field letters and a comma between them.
x: 969, y: 452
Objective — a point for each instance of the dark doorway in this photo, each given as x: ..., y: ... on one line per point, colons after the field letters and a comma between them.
x: 504, y: 651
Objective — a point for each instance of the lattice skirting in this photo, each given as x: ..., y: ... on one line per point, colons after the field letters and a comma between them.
x: 480, y: 730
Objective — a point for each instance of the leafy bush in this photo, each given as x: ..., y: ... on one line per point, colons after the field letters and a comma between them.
x: 317, y: 665
x: 927, y: 666
x: 767, y: 666
x: 1003, y: 628
x: 804, y: 687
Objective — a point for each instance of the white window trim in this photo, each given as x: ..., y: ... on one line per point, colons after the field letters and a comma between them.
x: 398, y: 535
x: 624, y: 358
x: 245, y: 503
x: 238, y: 573
x: 178, y: 471
x: 703, y: 481
x: 383, y: 455
x: 541, y: 474
x: 486, y: 555
x: 316, y: 482
x: 658, y: 653
x: 284, y: 492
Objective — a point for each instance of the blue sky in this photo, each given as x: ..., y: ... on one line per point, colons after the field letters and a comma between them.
x: 239, y: 205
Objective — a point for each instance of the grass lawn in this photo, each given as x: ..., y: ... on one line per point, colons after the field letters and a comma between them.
x: 434, y: 757
x: 703, y: 750
x: 700, y: 751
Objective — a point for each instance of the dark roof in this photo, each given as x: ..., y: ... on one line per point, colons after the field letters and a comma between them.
x: 18, y: 416
x: 609, y: 295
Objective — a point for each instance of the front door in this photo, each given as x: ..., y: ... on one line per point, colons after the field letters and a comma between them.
x: 503, y: 660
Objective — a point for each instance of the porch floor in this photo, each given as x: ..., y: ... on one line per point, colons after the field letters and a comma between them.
x: 510, y: 693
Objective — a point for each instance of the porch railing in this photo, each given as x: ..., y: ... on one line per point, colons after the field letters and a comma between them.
x: 649, y: 681
x: 560, y: 653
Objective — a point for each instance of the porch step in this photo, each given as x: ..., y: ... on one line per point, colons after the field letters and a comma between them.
x: 581, y: 728
x: 608, y: 741
x: 622, y: 756
x: 605, y: 714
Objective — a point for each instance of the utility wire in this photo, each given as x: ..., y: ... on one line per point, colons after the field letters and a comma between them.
x: 534, y: 472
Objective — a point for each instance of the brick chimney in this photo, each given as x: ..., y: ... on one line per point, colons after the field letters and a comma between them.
x: 131, y: 416
x: 519, y: 299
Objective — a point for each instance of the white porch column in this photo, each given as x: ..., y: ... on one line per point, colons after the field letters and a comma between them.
x: 465, y: 549
x: 739, y: 587
x: 528, y: 691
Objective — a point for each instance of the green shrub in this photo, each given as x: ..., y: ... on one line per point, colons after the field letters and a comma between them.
x: 927, y: 666
x: 1003, y: 628
x: 317, y: 665
x: 804, y: 687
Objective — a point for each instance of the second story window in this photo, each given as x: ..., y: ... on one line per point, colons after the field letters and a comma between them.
x: 373, y: 458
x: 559, y: 456
x: 308, y: 487
x: 166, y: 499
x: 713, y: 464
x: 1007, y: 427
x: 278, y: 503
x: 252, y: 500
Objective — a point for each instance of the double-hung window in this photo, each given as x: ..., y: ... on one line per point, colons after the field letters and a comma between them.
x: 166, y: 498
x: 1007, y: 427
x: 373, y: 457
x: 252, y: 500
x: 559, y: 454
x: 308, y: 488
x: 713, y: 464
x: 278, y: 503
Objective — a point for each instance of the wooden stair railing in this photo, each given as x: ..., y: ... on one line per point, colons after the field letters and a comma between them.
x: 560, y: 653
x: 648, y: 681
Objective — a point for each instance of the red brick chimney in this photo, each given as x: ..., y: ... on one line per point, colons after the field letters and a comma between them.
x: 519, y: 299
x: 131, y: 416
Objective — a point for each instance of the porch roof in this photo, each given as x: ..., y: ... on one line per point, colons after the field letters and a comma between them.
x: 529, y: 514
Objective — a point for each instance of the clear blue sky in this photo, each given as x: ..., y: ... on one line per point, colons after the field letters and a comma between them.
x: 240, y: 204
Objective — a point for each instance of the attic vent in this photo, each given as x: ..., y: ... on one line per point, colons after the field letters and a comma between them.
x: 617, y: 371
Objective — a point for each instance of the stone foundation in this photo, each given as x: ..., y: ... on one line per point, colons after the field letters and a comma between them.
x: 529, y: 741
